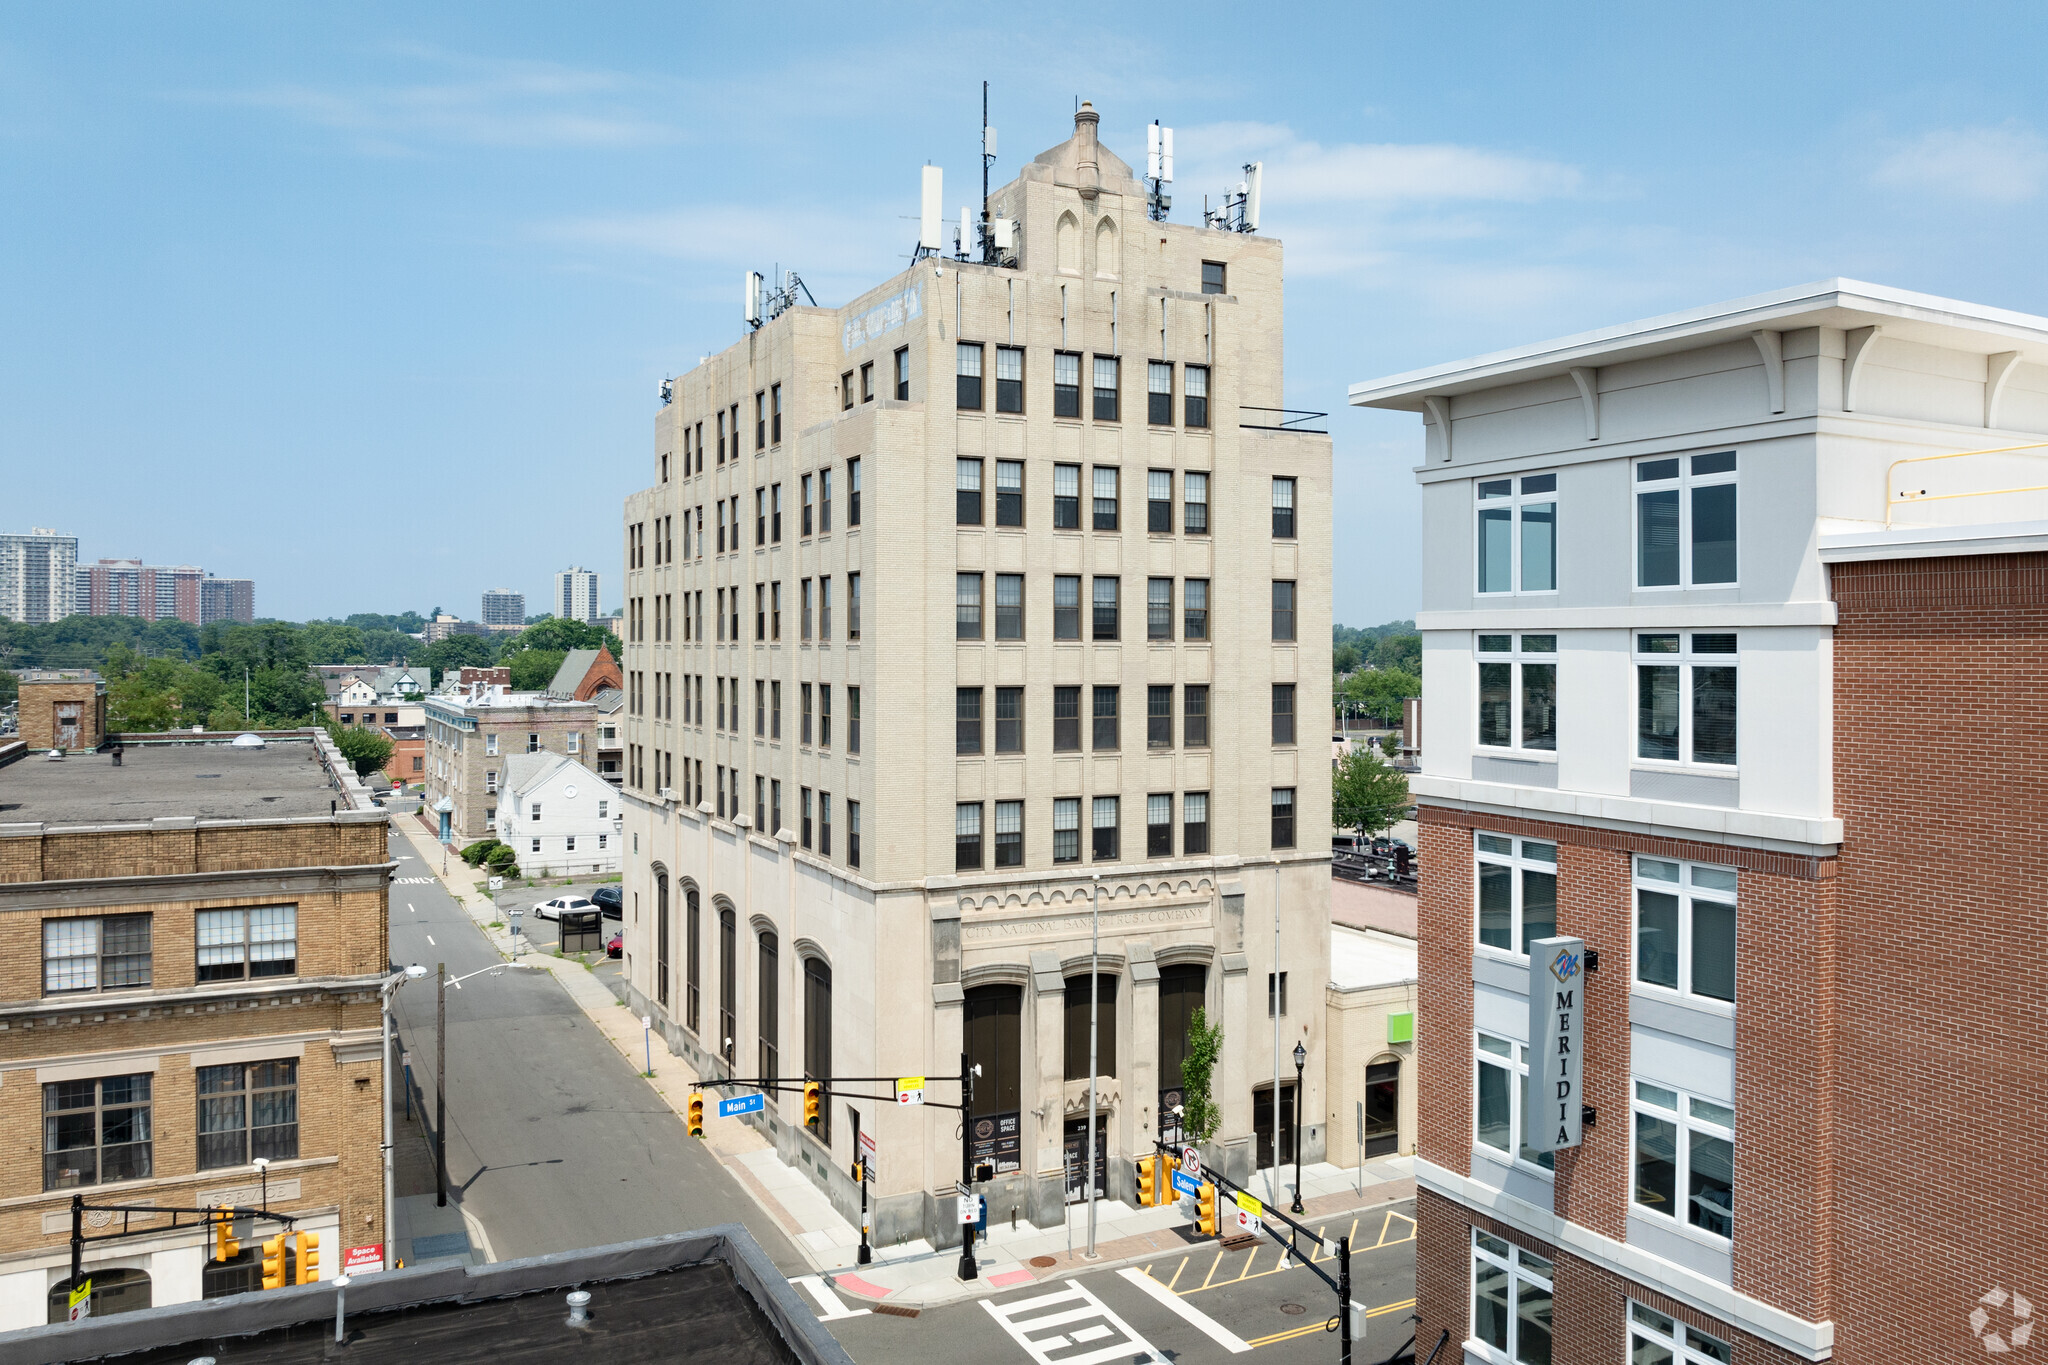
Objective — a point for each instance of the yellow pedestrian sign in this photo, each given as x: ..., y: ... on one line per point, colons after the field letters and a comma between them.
x: 910, y: 1090
x: 81, y: 1301
x: 1250, y: 1205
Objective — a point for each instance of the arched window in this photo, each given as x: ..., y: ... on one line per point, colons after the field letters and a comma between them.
x: 1182, y: 989
x: 114, y: 1290
x: 1069, y: 237
x: 818, y: 1035
x: 1106, y: 261
x: 661, y: 939
x: 765, y: 993
x: 1077, y: 1027
x: 693, y: 935
x: 992, y: 1037
x: 728, y: 982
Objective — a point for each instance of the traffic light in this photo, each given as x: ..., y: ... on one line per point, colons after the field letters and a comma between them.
x: 813, y: 1092
x: 225, y: 1246
x: 696, y: 1113
x: 273, y: 1263
x: 1205, y: 1210
x: 1148, y: 1181
x: 309, y: 1258
x: 859, y: 1173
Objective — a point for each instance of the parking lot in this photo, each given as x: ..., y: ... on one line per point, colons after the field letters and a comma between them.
x: 543, y: 935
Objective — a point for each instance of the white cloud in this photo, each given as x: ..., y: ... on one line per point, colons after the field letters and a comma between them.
x: 1306, y: 172
x: 2003, y: 165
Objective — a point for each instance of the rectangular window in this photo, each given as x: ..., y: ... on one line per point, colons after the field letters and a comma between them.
x: 1105, y: 734
x: 761, y: 803
x: 1009, y: 492
x: 248, y: 943
x: 1009, y: 606
x: 1518, y: 692
x: 846, y: 391
x: 804, y: 815
x: 966, y: 720
x: 760, y: 709
x: 1159, y: 717
x: 853, y: 834
x: 1159, y: 608
x: 967, y: 385
x: 1517, y: 534
x: 1009, y: 720
x: 775, y: 513
x: 967, y: 492
x: 1159, y: 501
x: 1212, y: 277
x: 775, y: 413
x: 1105, y: 623
x: 1502, y: 1078
x: 1159, y: 393
x: 1066, y: 829
x: 1105, y: 498
x: 803, y: 733
x: 824, y: 714
x: 1283, y: 610
x: 853, y: 606
x: 1511, y: 1300
x: 1195, y: 398
x: 1655, y: 1339
x: 96, y: 1132
x: 824, y: 824
x: 967, y: 837
x: 721, y: 436
x: 1685, y: 521
x: 1009, y: 379
x: 1195, y: 715
x: 1105, y: 827
x: 867, y: 382
x: 807, y: 505
x: 1066, y: 719
x: 1276, y: 995
x: 804, y: 608
x: 825, y: 608
x: 760, y: 422
x: 1685, y: 1158
x: 1517, y: 891
x: 1158, y: 826
x: 1009, y: 834
x: 775, y: 805
x: 1066, y: 384
x: 853, y: 492
x: 1685, y: 927
x: 248, y: 1110
x: 775, y: 610
x: 100, y: 953
x: 1066, y: 607
x: 1283, y: 817
x: 824, y: 502
x: 967, y: 606
x: 1106, y: 387
x: 1195, y: 609
x: 760, y: 611
x: 1066, y: 497
x: 903, y: 374
x: 1283, y: 713
x: 1283, y: 509
x: 1686, y: 697
x: 1194, y: 823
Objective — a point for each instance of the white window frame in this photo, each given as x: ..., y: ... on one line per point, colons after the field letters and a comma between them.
x: 1523, y: 648
x: 1515, y: 1061
x: 1687, y: 657
x: 1515, y: 496
x: 1522, y: 1267
x: 1521, y: 855
x: 1681, y: 1113
x: 1691, y: 883
x: 1685, y: 481
x: 1648, y: 1325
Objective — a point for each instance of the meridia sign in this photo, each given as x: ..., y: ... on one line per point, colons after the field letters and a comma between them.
x: 1557, y: 1028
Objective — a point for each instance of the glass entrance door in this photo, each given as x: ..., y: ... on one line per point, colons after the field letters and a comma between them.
x: 1262, y: 1123
x: 1077, y: 1157
x: 1382, y: 1109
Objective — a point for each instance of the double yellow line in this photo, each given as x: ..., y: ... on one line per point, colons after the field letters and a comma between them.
x: 1322, y: 1323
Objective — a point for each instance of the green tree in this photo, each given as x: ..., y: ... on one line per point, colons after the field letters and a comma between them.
x: 366, y: 750
x: 1201, y: 1115
x: 1345, y: 658
x: 558, y: 632
x: 1379, y: 692
x: 1366, y: 793
x: 389, y: 646
x: 534, y: 669
x: 10, y: 687
x: 455, y: 652
x: 325, y: 643
x: 1403, y: 652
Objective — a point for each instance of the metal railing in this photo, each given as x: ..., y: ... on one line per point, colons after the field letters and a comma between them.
x: 1291, y: 419
x: 1895, y: 496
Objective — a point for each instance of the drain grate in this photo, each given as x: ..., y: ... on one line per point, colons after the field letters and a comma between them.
x: 897, y: 1310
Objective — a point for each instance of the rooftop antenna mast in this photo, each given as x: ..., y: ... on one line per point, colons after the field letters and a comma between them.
x: 1239, y: 211
x: 1159, y: 170
x: 932, y: 191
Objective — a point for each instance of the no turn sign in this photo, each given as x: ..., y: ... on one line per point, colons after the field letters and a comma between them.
x: 1191, y: 1162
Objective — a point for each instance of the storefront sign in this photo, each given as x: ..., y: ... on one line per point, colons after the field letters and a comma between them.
x: 363, y: 1260
x: 1557, y: 1034
x: 997, y: 1139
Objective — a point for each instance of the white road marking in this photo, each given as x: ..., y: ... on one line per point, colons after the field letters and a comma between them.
x: 1131, y: 1347
x: 815, y: 1286
x: 431, y: 943
x: 1174, y: 1303
x: 408, y: 906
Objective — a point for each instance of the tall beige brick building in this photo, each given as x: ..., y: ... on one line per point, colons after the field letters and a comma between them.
x: 995, y: 591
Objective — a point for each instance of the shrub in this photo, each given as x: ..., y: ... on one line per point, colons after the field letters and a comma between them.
x: 475, y: 854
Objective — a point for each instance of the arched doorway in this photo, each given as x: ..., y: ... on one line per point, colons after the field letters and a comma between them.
x: 992, y: 1033
x: 1183, y: 987
x: 115, y: 1289
x: 1383, y: 1107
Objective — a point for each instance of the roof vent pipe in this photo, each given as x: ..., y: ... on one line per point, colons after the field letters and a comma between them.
x: 1090, y: 170
x: 579, y: 1307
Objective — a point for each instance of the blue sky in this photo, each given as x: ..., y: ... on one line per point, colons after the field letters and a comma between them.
x: 369, y: 303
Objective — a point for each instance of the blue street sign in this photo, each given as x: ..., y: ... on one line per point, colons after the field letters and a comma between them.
x: 1187, y: 1185
x: 744, y: 1104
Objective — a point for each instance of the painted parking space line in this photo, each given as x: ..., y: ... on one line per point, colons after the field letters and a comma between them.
x: 1036, y: 1329
x: 1173, y: 1303
x: 829, y: 1304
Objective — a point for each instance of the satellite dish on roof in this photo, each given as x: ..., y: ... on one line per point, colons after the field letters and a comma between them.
x: 247, y: 741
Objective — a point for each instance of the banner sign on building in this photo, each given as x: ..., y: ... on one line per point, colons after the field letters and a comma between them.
x: 1557, y: 1033
x: 997, y: 1139
x: 363, y: 1260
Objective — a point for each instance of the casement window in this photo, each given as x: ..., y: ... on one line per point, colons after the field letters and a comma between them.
x: 1104, y: 824
x: 853, y: 492
x: 1517, y: 891
x: 1104, y: 712
x: 1283, y: 817
x: 775, y: 513
x: 1107, y: 387
x: 853, y: 606
x: 1283, y: 713
x: 1159, y: 826
x: 1518, y: 692
x: 1159, y: 717
x: 1195, y: 396
x: 903, y: 374
x: 760, y: 421
x: 1066, y: 720
x: 824, y: 503
x: 824, y: 824
x: 967, y: 371
x: 1283, y: 609
x: 1502, y: 1079
x: 807, y: 506
x: 966, y: 720
x: 96, y: 1132
x: 1655, y: 1338
x: 1009, y: 606
x: 967, y: 606
x: 248, y: 943
x: 853, y: 720
x: 1105, y: 616
x: 1194, y: 823
x: 1009, y: 834
x: 1685, y: 1158
x: 824, y: 715
x: 1009, y: 720
x: 248, y: 1110
x: 1066, y: 497
x: 867, y: 382
x: 1009, y: 492
x: 825, y: 608
x: 804, y: 816
x: 1195, y: 715
x: 1159, y: 501
x: 1009, y: 379
x: 1685, y: 927
x: 804, y: 609
x: 1685, y: 521
x: 967, y: 837
x: 1517, y: 534
x: 1685, y: 698
x: 1066, y: 384
x: 1283, y: 509
x: 1195, y: 609
x: 775, y: 610
x: 1511, y: 1300
x: 846, y: 391
x: 967, y: 492
x: 1159, y: 393
x: 1066, y: 607
x: 1212, y: 277
x: 1105, y: 497
x: 853, y: 834
x: 1159, y: 608
x: 804, y: 710
x: 1066, y: 829
x: 96, y: 953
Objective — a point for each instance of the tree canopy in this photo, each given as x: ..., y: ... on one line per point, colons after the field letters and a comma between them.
x: 1379, y: 692
x: 1367, y: 793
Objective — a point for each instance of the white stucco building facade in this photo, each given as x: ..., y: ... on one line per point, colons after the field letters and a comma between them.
x: 560, y: 817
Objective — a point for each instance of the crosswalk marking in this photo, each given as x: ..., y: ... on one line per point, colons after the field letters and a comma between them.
x: 1174, y: 1303
x: 833, y: 1308
x: 1026, y: 1321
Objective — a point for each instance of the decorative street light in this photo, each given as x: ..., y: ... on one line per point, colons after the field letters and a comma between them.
x: 1300, y: 1060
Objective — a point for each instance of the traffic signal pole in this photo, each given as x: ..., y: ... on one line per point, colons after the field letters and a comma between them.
x: 968, y: 1270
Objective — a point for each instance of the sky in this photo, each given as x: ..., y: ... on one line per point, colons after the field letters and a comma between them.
x: 370, y: 303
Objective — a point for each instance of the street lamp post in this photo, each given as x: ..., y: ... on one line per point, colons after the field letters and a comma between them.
x: 1300, y: 1060
x: 390, y: 988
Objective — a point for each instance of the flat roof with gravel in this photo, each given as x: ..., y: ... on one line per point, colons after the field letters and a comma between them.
x: 212, y: 781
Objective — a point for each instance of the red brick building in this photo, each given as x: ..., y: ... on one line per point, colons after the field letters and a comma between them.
x: 1734, y: 626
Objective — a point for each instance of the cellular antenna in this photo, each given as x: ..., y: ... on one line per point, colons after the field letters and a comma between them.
x: 930, y: 215
x: 988, y: 157
x: 753, y: 307
x: 1159, y: 170
x: 1239, y: 211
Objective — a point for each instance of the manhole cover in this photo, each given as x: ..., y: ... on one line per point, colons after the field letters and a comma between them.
x: 1043, y: 1261
x: 1293, y: 1310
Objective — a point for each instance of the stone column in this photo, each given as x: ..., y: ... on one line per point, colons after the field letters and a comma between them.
x: 1045, y: 1083
x: 1138, y: 1124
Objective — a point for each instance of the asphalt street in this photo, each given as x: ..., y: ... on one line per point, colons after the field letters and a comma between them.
x: 554, y: 1142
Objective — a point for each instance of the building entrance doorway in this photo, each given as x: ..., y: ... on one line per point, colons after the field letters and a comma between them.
x: 1077, y: 1157
x: 1262, y: 1123
x: 1383, y: 1108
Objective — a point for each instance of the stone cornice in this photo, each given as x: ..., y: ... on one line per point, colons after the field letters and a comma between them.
x: 180, y: 886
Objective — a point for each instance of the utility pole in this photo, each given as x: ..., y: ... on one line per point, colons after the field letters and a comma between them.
x: 1094, y: 1007
x: 441, y: 1085
x: 968, y: 1270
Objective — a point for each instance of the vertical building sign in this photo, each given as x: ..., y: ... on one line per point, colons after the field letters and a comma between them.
x: 1557, y: 1029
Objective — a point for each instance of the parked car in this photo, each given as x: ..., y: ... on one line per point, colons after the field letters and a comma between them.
x: 615, y: 946
x: 553, y: 909
x: 610, y: 900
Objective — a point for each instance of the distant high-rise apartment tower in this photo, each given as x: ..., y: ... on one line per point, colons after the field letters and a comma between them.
x: 503, y: 607
x: 128, y: 587
x: 576, y: 594
x: 226, y: 599
x: 36, y: 575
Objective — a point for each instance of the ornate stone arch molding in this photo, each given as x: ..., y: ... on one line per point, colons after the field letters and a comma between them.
x: 996, y: 974
x: 809, y: 948
x: 760, y: 924
x: 1186, y: 955
x: 720, y: 902
x: 1108, y: 964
